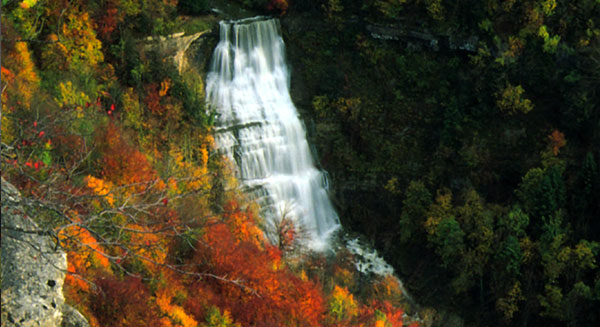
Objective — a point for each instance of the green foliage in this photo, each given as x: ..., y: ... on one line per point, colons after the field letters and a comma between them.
x: 511, y: 255
x: 550, y: 43
x: 415, y: 206
x: 515, y: 222
x: 193, y: 7
x: 552, y: 302
x: 445, y: 232
x: 133, y: 110
x: 214, y: 318
x: 27, y: 18
x: 511, y: 100
x: 509, y: 304
x: 542, y: 191
x: 518, y: 239
x: 449, y: 238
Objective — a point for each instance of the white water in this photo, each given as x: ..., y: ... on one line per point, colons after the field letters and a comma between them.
x: 259, y: 129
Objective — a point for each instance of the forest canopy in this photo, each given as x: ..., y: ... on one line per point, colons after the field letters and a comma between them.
x: 462, y: 139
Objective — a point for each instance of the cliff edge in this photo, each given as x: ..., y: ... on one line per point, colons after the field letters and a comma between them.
x: 33, y: 270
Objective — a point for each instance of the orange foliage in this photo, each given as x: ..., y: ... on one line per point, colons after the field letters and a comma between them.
x: 383, y: 313
x: 242, y: 224
x: 175, y: 312
x: 101, y: 188
x: 84, y: 255
x: 164, y: 87
x: 19, y: 74
x: 7, y: 75
x: 270, y: 295
x: 388, y: 289
x: 148, y: 244
x: 557, y: 141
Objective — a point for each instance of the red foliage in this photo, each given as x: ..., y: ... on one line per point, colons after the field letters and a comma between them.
x: 270, y: 295
x: 123, y: 303
x: 123, y: 164
x: 110, y: 19
x: 152, y: 99
x: 278, y: 5
x: 70, y: 148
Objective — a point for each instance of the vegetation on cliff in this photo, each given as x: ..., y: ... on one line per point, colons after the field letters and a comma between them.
x: 112, y: 149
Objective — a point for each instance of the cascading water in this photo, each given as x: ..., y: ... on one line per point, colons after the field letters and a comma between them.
x: 259, y: 129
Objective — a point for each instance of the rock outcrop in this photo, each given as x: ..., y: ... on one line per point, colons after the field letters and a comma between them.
x: 33, y: 270
x: 174, y: 46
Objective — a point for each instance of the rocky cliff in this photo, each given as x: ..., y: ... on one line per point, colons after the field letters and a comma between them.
x: 33, y: 270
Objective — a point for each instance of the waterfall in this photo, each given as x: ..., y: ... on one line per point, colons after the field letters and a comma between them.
x: 258, y: 128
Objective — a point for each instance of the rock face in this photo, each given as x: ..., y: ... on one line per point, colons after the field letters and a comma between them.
x: 174, y: 45
x: 33, y: 269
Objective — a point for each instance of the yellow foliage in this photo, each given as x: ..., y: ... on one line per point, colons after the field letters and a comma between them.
x: 192, y: 176
x: 303, y: 275
x: 70, y: 96
x: 528, y: 249
x: 81, y: 36
x: 26, y: 4
x: 133, y: 109
x: 75, y: 45
x: 509, y: 304
x: 435, y: 9
x: 8, y: 126
x: 389, y: 8
x: 24, y: 82
x: 548, y: 6
x: 349, y: 106
x: 442, y: 208
x: 148, y: 244
x: 342, y: 304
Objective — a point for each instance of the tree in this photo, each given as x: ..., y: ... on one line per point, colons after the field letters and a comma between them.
x: 414, y: 210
